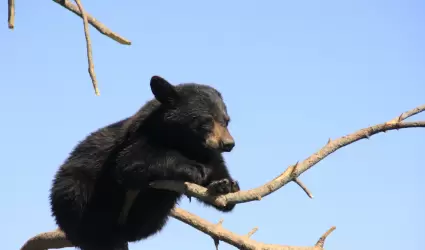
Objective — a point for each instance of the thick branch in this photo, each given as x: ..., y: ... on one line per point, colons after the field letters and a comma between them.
x: 11, y: 13
x: 56, y: 239
x: 48, y: 240
x: 88, y: 46
x: 95, y: 23
x: 239, y: 241
x: 292, y: 172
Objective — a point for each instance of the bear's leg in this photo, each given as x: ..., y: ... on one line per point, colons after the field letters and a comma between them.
x: 174, y: 167
x: 220, y: 182
x: 149, y: 214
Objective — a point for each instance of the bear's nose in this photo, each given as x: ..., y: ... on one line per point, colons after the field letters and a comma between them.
x: 227, y: 145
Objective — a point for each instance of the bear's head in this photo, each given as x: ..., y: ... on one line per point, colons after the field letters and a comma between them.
x: 194, y: 115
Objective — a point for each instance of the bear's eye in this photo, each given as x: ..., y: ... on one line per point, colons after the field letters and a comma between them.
x: 226, y: 120
x: 203, y: 121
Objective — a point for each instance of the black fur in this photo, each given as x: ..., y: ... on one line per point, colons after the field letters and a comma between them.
x: 172, y: 137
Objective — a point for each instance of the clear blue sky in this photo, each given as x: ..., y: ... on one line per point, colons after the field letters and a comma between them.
x: 293, y: 74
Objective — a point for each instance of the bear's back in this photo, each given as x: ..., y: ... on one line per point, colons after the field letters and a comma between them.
x: 84, y: 199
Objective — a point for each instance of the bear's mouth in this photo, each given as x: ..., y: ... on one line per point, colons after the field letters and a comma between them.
x: 219, y: 145
x: 227, y: 146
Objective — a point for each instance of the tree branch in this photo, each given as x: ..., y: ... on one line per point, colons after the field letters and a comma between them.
x: 57, y: 239
x: 11, y: 13
x: 239, y: 241
x: 88, y: 46
x: 303, y: 187
x: 49, y: 240
x: 292, y: 172
x: 79, y: 10
x: 321, y: 242
x: 250, y: 233
x: 95, y: 23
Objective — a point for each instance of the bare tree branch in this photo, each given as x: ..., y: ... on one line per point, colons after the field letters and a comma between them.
x: 408, y: 114
x: 57, y: 239
x: 79, y: 10
x: 255, y: 229
x: 303, y: 187
x: 95, y: 23
x: 321, y: 242
x: 88, y: 46
x: 292, y: 172
x: 215, y: 239
x: 239, y: 241
x: 49, y: 240
x: 11, y: 13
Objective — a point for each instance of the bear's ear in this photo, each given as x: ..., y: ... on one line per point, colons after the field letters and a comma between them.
x: 163, y: 91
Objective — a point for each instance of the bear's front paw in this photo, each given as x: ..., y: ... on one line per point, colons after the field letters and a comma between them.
x: 219, y: 187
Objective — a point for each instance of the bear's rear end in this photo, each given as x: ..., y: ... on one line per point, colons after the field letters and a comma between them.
x: 87, y: 212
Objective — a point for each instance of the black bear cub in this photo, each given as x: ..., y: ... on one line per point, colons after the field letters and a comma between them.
x: 179, y: 135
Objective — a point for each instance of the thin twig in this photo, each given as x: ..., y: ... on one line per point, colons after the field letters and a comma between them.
x: 321, y: 242
x: 11, y: 13
x: 409, y: 113
x: 250, y: 233
x: 88, y: 45
x: 303, y: 187
x: 216, y: 242
x: 95, y: 23
x: 215, y: 239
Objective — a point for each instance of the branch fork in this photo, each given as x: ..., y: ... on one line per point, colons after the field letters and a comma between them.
x: 87, y: 19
